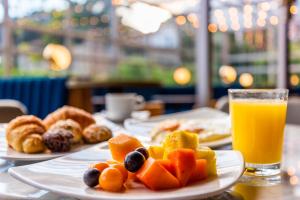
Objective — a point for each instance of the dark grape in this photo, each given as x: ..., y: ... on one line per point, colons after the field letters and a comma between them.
x: 91, y: 177
x: 143, y: 151
x: 134, y: 161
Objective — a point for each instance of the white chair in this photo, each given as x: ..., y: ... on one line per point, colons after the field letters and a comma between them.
x: 222, y: 104
x: 9, y: 109
x: 293, y: 111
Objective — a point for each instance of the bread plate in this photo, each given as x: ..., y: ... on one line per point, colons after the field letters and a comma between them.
x: 8, y: 153
x: 214, y: 117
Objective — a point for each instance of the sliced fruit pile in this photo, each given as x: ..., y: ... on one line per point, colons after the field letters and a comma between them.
x: 177, y: 163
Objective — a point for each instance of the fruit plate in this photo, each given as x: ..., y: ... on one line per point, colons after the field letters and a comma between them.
x: 215, y: 117
x: 64, y: 176
x: 8, y: 153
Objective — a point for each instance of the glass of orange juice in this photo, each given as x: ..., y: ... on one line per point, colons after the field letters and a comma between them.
x: 258, y: 121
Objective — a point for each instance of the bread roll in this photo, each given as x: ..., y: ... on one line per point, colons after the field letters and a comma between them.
x: 82, y: 117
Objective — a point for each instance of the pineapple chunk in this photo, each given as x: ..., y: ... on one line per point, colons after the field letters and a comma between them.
x: 156, y: 152
x: 209, y: 155
x: 180, y: 139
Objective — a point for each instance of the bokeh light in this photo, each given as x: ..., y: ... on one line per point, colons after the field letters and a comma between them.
x: 212, y: 28
x: 58, y: 55
x: 228, y: 74
x: 294, y: 80
x: 192, y: 17
x: 293, y: 9
x: 274, y: 20
x: 180, y: 20
x: 223, y: 28
x: 291, y: 171
x: 246, y: 80
x: 294, y: 180
x: 182, y: 76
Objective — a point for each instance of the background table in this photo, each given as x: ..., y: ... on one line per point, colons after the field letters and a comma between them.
x: 289, y: 189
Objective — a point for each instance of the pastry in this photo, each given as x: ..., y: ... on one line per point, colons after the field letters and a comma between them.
x: 58, y: 140
x: 68, y: 112
x: 33, y: 144
x: 72, y: 126
x: 23, y: 134
x: 96, y: 133
x: 22, y: 120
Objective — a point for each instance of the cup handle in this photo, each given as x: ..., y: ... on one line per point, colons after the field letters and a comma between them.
x: 139, y: 102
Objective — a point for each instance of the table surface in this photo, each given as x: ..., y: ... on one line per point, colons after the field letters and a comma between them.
x: 288, y: 189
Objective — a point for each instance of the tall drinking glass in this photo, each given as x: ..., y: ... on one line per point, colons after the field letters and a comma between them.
x: 258, y: 121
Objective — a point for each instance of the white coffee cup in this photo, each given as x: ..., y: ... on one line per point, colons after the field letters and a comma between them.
x: 119, y: 106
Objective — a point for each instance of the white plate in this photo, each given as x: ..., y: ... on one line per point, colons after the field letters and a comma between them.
x: 8, y: 153
x: 64, y: 176
x: 143, y: 128
x: 11, y: 188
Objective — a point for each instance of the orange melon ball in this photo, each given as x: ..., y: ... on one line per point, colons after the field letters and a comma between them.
x: 100, y: 166
x: 122, y: 169
x: 111, y: 179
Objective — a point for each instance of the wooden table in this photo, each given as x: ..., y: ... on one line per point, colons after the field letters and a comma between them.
x: 289, y: 189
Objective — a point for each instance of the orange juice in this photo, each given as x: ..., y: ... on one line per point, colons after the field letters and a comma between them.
x: 257, y: 127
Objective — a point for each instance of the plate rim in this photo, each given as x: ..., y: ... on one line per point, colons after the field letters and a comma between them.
x: 82, y: 196
x: 45, y: 156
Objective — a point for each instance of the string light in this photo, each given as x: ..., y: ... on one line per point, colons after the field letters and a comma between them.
x: 293, y: 9
x: 116, y: 2
x: 248, y: 8
x: 291, y: 171
x: 228, y: 74
x: 180, y: 20
x: 235, y: 27
x: 294, y: 80
x: 233, y: 11
x: 182, y: 76
x: 274, y: 20
x: 218, y: 13
x: 192, y: 17
x: 212, y: 28
x: 247, y: 24
x: 294, y: 180
x: 261, y: 22
x: 262, y: 14
x: 248, y: 16
x: 223, y: 28
x: 265, y: 6
x: 246, y: 80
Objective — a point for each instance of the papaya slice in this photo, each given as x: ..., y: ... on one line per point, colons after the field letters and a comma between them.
x: 167, y: 164
x: 184, y: 163
x: 155, y: 176
x: 121, y: 145
x: 200, y: 171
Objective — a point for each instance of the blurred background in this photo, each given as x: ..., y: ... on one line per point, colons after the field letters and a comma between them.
x: 178, y: 54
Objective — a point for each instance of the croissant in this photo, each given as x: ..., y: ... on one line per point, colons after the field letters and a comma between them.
x: 68, y: 112
x: 24, y: 134
x: 72, y: 126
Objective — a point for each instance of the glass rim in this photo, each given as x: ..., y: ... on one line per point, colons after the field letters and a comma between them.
x: 277, y: 90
